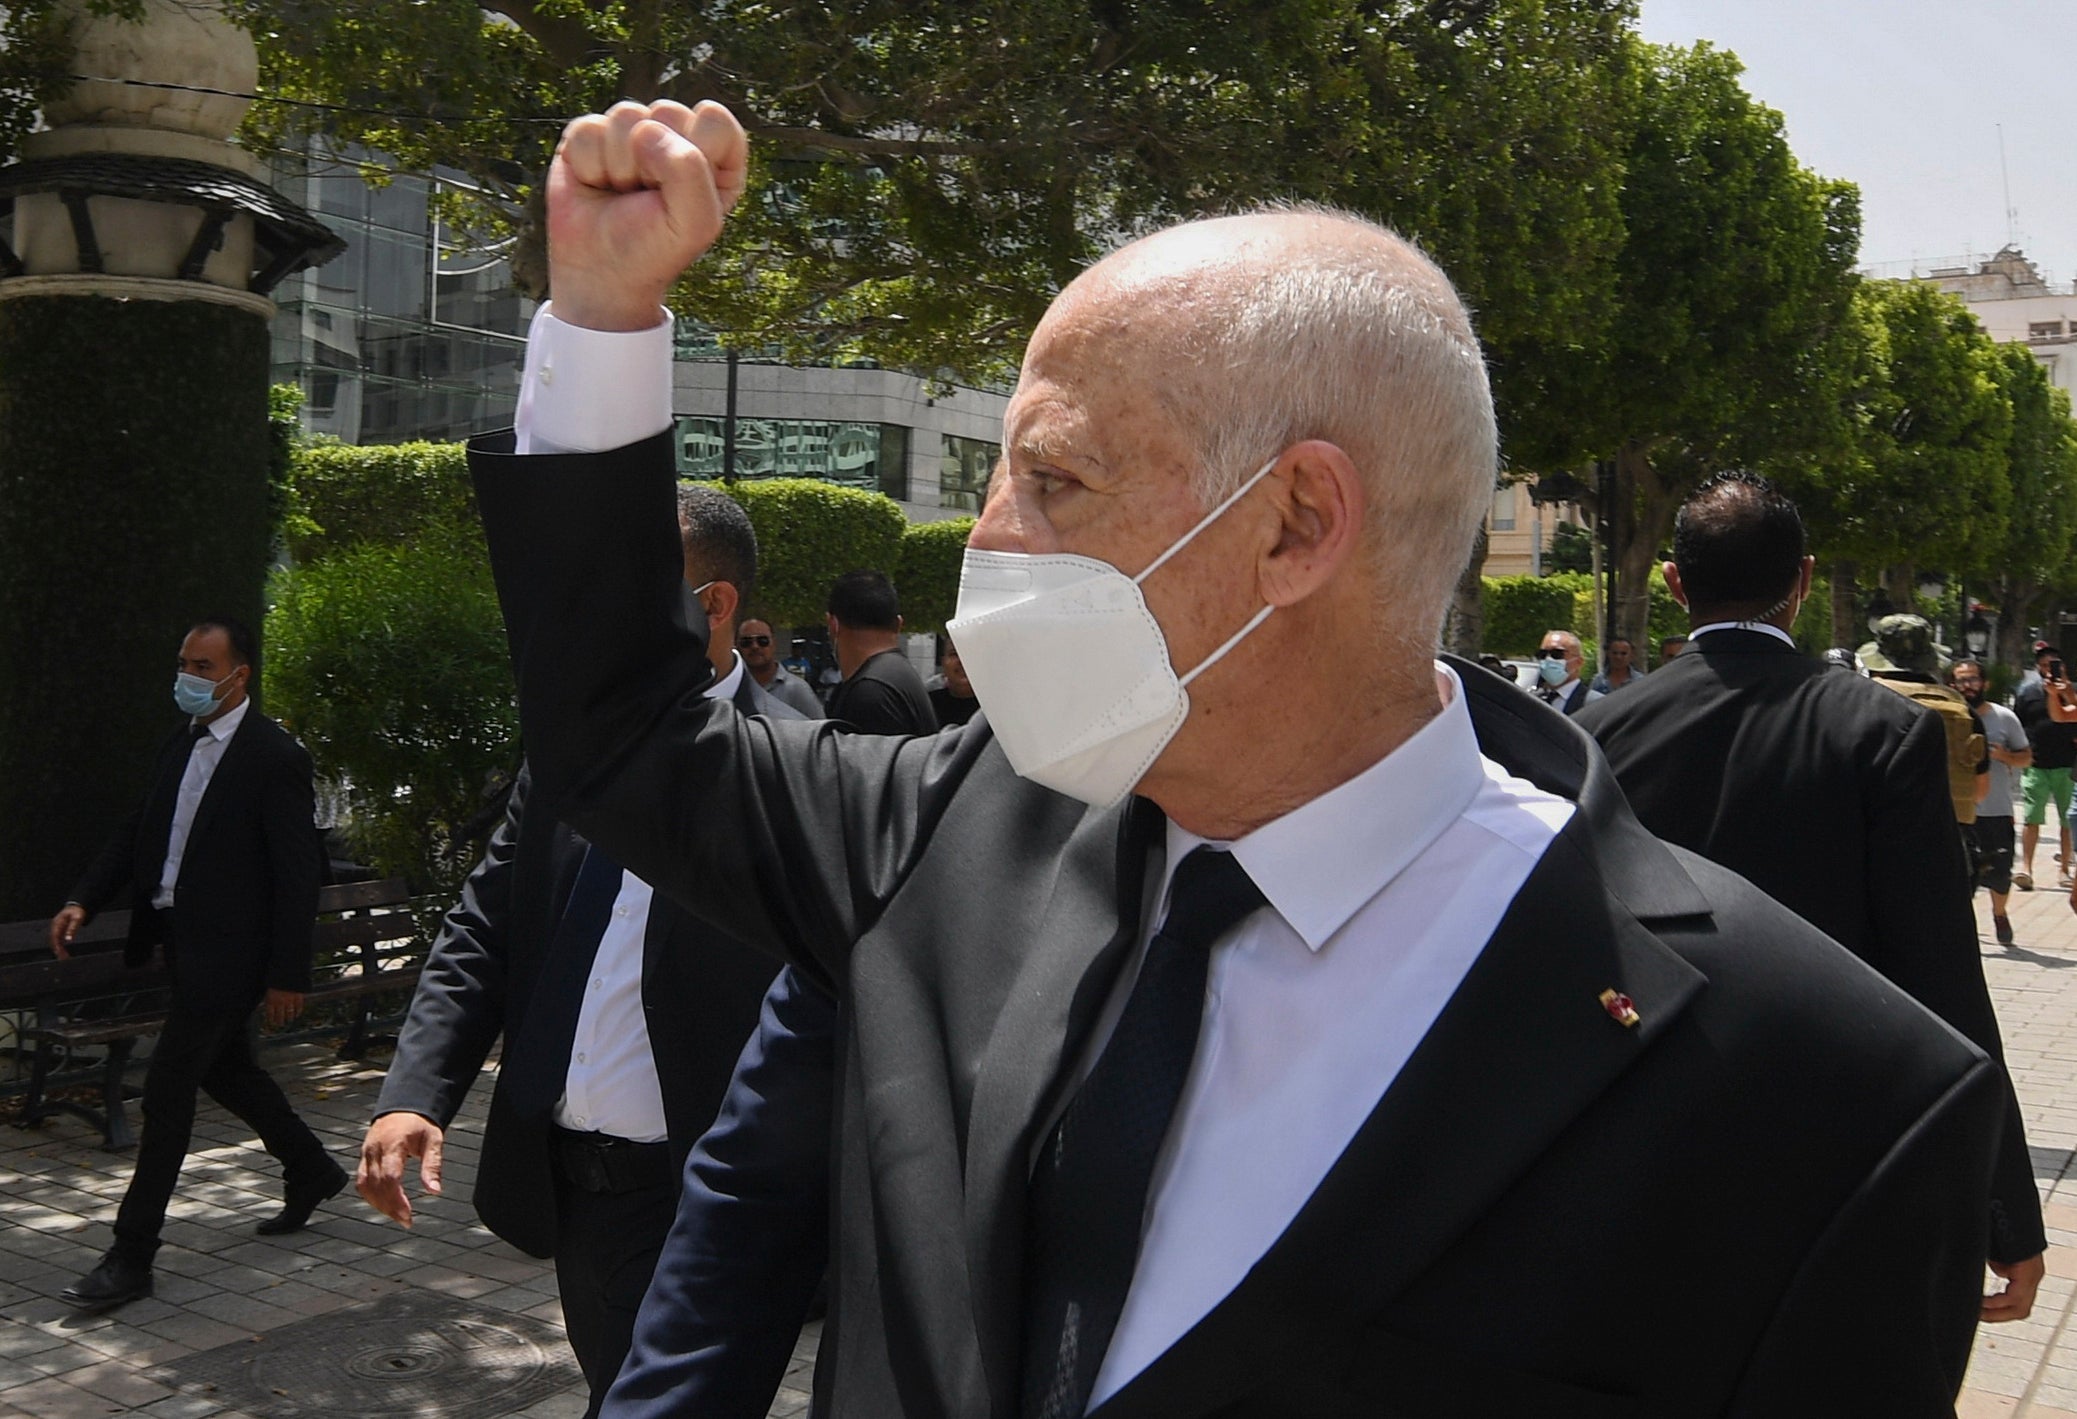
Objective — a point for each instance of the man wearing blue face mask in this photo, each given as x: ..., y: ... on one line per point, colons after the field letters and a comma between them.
x: 219, y: 867
x: 1558, y: 663
x: 1195, y: 1064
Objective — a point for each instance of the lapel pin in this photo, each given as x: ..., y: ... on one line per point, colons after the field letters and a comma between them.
x: 1620, y: 1007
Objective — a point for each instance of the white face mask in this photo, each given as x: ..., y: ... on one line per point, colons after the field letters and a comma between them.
x: 1071, y: 667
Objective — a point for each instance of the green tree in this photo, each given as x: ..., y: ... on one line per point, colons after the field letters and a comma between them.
x: 1924, y: 480
x: 927, y: 174
x: 1734, y: 268
x: 2037, y: 556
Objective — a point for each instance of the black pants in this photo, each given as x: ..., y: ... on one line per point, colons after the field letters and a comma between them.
x: 606, y: 1245
x: 208, y: 1050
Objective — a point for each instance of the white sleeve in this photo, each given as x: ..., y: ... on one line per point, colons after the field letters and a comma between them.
x: 585, y: 391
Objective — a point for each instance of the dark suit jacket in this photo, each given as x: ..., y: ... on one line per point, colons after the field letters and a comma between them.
x: 751, y: 1239
x: 247, y: 893
x: 1765, y: 1199
x: 1830, y: 793
x: 506, y: 957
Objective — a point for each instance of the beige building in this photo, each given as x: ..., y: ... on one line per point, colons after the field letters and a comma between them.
x: 2008, y: 295
x: 1518, y: 532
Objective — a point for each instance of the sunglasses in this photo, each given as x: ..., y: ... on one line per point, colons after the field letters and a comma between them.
x: 753, y: 640
x: 1550, y: 655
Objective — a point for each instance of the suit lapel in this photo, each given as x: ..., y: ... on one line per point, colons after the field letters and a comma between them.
x: 1523, y: 1047
x: 1084, y: 934
x: 539, y: 1053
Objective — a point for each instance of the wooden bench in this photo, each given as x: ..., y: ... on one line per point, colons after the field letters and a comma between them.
x: 366, y: 945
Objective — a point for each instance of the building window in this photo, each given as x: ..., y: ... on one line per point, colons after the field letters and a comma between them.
x: 854, y: 455
x: 2044, y: 330
x: 1503, y: 508
x: 963, y: 472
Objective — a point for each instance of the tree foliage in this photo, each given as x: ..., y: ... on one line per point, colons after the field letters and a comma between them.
x: 927, y: 174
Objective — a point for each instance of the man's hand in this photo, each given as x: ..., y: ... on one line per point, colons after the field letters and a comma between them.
x: 391, y: 1139
x: 634, y: 196
x: 64, y: 926
x: 282, y: 1007
x: 2016, y: 1301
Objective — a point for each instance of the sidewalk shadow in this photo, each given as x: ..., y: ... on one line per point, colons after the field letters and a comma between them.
x: 2050, y: 1162
x: 1995, y: 952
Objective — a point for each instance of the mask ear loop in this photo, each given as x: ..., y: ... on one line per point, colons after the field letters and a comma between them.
x: 1206, y: 521
x: 1235, y: 639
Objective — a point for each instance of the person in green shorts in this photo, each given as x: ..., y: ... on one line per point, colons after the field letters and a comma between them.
x: 2047, y: 709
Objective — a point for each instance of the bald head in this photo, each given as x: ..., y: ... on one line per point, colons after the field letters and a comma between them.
x: 1257, y: 332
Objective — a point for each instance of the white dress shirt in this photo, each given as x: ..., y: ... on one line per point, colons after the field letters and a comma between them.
x: 611, y: 1085
x: 1383, y: 892
x: 203, y: 758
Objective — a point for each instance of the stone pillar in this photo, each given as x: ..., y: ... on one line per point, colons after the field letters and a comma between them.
x: 133, y: 417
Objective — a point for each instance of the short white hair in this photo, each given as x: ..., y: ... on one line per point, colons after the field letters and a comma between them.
x: 1351, y: 335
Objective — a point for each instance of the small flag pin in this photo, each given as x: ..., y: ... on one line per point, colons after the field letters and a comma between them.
x: 1620, y: 1007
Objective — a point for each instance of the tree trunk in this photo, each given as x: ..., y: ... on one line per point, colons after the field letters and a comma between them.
x: 1900, y: 585
x: 1644, y: 507
x: 1464, y: 627
x: 530, y: 245
x: 1847, y: 629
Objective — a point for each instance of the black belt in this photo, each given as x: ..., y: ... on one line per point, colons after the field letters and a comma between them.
x: 599, y: 1162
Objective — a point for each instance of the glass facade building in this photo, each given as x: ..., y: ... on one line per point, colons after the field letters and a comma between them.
x: 411, y: 333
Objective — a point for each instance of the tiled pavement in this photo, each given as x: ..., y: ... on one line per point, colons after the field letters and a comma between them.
x: 218, y: 1285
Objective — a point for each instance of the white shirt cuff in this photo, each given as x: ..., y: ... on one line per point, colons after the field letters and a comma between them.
x: 585, y: 391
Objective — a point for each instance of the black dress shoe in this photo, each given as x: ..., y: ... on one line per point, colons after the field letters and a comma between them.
x: 116, y: 1280
x: 303, y: 1199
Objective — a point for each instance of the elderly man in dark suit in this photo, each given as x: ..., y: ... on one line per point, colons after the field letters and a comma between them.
x: 622, y: 1017
x: 1827, y: 791
x: 1196, y: 1066
x: 219, y: 868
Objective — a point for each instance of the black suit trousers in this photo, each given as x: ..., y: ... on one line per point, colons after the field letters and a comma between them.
x: 212, y: 1051
x: 606, y: 1245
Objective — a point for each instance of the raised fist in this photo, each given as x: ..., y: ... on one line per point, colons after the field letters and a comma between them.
x: 634, y: 196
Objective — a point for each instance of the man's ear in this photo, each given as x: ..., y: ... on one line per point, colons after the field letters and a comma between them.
x: 1803, y: 586
x: 1320, y: 503
x: 1672, y: 575
x: 723, y: 601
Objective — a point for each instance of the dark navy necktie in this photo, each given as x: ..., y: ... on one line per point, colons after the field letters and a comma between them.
x: 1089, y: 1191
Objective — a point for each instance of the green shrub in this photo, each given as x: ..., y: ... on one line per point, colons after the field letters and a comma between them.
x: 927, y: 576
x: 389, y: 662
x: 395, y: 493
x: 809, y: 533
x: 1519, y: 609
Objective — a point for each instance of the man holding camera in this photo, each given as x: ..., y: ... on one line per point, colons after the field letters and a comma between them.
x: 2047, y: 709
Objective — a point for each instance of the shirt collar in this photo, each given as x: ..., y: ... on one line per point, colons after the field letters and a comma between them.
x: 1765, y: 628
x: 725, y: 687
x: 224, y: 728
x: 1319, y: 863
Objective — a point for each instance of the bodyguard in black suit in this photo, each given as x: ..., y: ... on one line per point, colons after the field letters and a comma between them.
x: 519, y: 957
x: 219, y: 867
x: 1827, y: 791
x: 1653, y: 1141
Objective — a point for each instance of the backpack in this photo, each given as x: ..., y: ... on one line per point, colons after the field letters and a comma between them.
x: 1965, y: 742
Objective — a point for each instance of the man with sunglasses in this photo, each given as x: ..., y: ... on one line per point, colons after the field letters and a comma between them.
x: 1558, y: 663
x: 754, y: 644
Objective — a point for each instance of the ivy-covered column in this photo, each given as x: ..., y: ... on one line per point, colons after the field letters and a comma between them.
x: 133, y: 418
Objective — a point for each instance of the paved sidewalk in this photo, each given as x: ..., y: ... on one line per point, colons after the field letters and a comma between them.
x: 223, y: 1295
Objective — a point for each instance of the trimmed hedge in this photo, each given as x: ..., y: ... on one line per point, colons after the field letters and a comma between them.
x: 133, y: 502
x: 1519, y: 609
x: 808, y: 534
x: 927, y: 577
x: 342, y: 496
